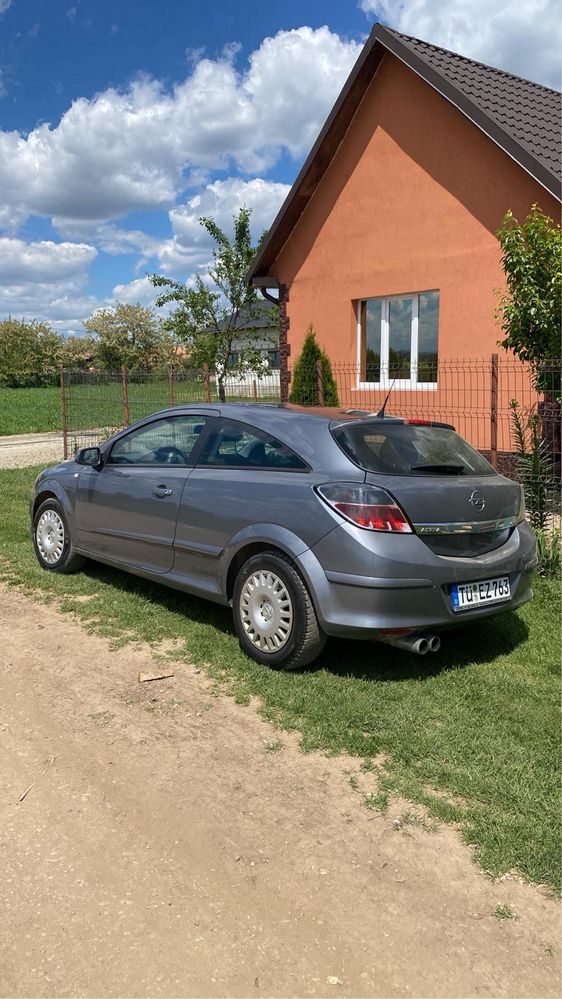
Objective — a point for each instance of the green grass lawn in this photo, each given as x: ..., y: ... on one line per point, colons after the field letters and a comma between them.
x: 472, y: 733
x: 29, y: 410
x: 35, y: 410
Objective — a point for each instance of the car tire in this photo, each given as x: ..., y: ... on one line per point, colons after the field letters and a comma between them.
x: 52, y: 541
x: 273, y: 614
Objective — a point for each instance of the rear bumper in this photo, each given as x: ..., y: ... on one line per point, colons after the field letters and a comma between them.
x: 417, y: 595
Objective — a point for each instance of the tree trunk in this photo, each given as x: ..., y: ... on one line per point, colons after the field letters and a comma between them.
x: 221, y: 388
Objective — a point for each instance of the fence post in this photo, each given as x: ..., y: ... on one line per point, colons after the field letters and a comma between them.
x: 320, y: 382
x: 170, y: 385
x: 126, y: 415
x: 63, y: 413
x: 494, y: 373
x: 207, y: 382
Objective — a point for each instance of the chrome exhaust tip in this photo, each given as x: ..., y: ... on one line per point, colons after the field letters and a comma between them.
x: 434, y: 643
x: 418, y: 644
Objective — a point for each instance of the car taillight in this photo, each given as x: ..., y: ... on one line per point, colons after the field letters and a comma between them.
x: 366, y: 506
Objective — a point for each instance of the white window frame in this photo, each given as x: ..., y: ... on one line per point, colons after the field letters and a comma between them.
x: 385, y: 381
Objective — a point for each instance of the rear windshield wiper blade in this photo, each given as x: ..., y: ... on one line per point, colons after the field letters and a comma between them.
x: 444, y: 469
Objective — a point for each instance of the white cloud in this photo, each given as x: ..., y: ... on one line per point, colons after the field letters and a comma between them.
x: 140, y: 290
x: 130, y: 150
x: 222, y: 199
x: 189, y: 248
x: 60, y: 304
x: 520, y: 36
x: 4, y: 4
x: 43, y: 261
x: 110, y: 238
x: 45, y: 281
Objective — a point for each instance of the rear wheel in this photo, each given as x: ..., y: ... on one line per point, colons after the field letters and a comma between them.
x: 51, y: 539
x: 273, y: 614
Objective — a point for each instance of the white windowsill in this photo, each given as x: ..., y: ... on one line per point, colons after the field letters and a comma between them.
x: 398, y: 386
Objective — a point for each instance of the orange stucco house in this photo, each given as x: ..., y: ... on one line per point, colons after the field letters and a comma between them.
x: 386, y: 242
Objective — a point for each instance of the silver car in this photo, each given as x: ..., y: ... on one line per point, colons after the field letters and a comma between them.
x: 307, y: 526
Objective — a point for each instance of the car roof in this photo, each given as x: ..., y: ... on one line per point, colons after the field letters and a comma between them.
x: 303, y: 430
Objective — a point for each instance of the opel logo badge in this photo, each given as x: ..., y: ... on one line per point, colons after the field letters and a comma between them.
x: 477, y: 500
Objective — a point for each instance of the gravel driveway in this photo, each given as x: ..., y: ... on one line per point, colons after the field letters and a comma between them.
x: 19, y: 450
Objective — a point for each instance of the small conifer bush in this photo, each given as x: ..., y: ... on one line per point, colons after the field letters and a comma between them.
x: 305, y: 389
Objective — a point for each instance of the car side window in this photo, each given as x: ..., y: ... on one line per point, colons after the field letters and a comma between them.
x: 169, y: 441
x: 238, y: 445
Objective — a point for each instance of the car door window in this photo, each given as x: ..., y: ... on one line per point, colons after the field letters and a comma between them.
x: 238, y: 445
x: 169, y: 441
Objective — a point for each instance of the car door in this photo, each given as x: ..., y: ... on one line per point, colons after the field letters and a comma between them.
x: 244, y: 477
x: 127, y: 510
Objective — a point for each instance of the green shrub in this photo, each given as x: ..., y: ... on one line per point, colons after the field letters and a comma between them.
x: 305, y: 389
x: 534, y: 465
x: 30, y: 354
x: 548, y: 553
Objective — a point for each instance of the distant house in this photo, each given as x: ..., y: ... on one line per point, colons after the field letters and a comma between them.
x: 259, y: 330
x: 387, y: 241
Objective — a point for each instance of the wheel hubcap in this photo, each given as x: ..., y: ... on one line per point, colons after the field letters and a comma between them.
x: 266, y: 611
x: 49, y: 535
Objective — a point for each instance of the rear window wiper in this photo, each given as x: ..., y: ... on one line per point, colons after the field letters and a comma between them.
x: 444, y: 469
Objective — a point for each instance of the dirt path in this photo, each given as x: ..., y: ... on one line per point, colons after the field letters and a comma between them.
x: 19, y: 450
x: 161, y: 849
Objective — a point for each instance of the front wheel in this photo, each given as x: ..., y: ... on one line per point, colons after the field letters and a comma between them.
x: 273, y: 614
x: 52, y: 541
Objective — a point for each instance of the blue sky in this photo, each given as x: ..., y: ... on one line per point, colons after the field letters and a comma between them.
x: 121, y: 124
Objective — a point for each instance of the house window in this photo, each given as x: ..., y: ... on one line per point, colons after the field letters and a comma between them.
x: 274, y: 359
x: 397, y: 340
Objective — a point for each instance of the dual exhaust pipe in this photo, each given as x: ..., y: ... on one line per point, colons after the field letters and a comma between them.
x: 420, y: 644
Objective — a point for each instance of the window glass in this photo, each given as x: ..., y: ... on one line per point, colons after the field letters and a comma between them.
x: 164, y: 442
x: 400, y: 312
x: 241, y: 446
x: 400, y: 449
x: 274, y: 359
x: 428, y: 325
x: 371, y: 317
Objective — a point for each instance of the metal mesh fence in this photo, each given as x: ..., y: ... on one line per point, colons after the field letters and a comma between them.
x: 474, y: 395
x: 96, y: 404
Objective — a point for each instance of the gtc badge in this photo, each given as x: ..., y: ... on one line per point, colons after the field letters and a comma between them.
x: 477, y: 500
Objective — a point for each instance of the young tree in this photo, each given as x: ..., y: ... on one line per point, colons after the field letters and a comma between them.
x: 127, y: 335
x: 208, y: 315
x: 304, y: 389
x: 30, y: 353
x: 530, y: 312
x: 78, y: 352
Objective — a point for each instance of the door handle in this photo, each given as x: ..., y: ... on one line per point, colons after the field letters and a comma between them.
x: 162, y: 491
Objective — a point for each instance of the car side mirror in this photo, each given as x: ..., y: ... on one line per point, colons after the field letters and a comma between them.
x: 89, y: 456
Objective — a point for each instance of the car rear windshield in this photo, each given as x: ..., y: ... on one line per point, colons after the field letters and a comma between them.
x: 401, y: 449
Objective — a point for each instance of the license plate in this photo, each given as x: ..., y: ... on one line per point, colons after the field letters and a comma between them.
x: 488, y: 591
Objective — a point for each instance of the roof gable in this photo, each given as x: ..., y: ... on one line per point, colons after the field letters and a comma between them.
x: 521, y: 117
